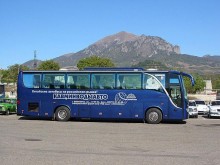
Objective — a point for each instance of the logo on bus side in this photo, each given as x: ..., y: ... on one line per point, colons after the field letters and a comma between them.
x: 123, y: 98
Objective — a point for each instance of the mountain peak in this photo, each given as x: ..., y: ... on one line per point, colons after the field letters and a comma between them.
x: 118, y: 37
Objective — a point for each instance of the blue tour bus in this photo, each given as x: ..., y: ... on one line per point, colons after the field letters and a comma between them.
x: 151, y: 96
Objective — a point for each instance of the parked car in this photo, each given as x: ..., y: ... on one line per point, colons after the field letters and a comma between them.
x: 214, y: 109
x: 8, y: 106
x: 202, y: 107
x: 193, y: 112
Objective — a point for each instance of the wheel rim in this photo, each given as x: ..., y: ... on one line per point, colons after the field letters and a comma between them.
x: 62, y: 114
x: 153, y: 116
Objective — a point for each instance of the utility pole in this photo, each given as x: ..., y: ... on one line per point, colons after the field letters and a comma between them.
x: 35, y: 60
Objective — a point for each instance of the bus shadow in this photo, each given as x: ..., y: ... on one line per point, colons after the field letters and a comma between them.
x: 107, y: 120
x: 101, y: 120
x: 33, y: 118
x: 174, y: 122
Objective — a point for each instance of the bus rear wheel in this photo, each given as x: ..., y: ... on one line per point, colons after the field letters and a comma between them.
x: 153, y: 116
x: 62, y: 113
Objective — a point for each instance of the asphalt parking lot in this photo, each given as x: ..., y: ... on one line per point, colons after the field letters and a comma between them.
x: 30, y: 141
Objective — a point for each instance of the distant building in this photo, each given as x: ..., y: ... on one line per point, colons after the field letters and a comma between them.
x: 208, y: 87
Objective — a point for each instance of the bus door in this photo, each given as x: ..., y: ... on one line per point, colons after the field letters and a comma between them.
x: 176, y: 94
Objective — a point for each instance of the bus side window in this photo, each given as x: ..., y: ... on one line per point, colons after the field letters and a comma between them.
x: 46, y: 81
x: 152, y: 83
x: 45, y: 85
x: 32, y: 80
x: 52, y: 86
x: 120, y: 82
x: 71, y: 81
x: 129, y: 81
x: 82, y: 81
x: 96, y: 81
x: 107, y: 81
x: 53, y: 81
x: 59, y: 81
x: 103, y: 81
x: 36, y: 82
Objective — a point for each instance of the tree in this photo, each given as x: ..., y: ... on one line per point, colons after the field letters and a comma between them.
x: 10, y: 75
x: 215, y: 78
x: 48, y: 65
x: 199, y: 84
x: 150, y: 64
x: 94, y: 61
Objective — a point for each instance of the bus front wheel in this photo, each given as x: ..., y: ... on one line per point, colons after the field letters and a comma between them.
x: 62, y: 113
x: 153, y: 116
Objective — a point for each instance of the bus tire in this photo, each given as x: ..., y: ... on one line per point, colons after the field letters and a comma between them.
x: 153, y: 116
x: 62, y: 113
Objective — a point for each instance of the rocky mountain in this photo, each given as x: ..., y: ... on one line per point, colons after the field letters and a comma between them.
x: 126, y: 49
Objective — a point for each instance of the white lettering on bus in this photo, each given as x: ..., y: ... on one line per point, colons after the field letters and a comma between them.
x: 81, y: 96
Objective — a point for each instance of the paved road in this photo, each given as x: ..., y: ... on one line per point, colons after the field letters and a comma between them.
x: 27, y: 141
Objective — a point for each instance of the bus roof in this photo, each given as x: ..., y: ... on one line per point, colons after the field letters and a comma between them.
x: 89, y: 70
x: 114, y: 69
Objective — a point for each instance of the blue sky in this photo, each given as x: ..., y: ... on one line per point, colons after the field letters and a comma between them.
x: 57, y: 27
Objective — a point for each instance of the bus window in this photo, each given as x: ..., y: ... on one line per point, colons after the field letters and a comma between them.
x: 53, y: 81
x: 103, y: 81
x: 161, y: 78
x: 32, y: 80
x: 152, y: 83
x: 175, y: 90
x: 175, y: 94
x: 174, y: 80
x: 78, y: 81
x: 129, y: 81
x: 71, y: 81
